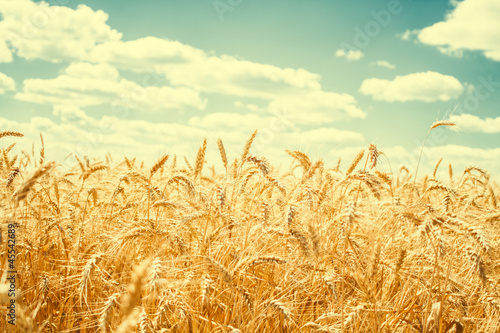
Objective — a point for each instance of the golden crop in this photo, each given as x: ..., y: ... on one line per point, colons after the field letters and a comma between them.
x: 119, y: 247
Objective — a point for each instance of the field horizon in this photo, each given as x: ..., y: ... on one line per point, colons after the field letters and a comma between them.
x: 234, y: 166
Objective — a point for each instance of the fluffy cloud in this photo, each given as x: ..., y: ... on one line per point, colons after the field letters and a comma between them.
x: 326, y: 135
x: 463, y: 156
x: 173, y: 73
x: 146, y: 54
x: 84, y: 84
x: 408, y: 34
x: 183, y: 65
x: 73, y: 114
x: 472, y: 25
x: 6, y: 83
x: 350, y: 55
x: 383, y: 63
x: 230, y: 120
x: 5, y: 54
x: 251, y: 107
x: 426, y: 86
x: 471, y: 123
x: 167, y: 75
x: 465, y: 153
x: 231, y: 76
x: 52, y: 33
x: 317, y: 107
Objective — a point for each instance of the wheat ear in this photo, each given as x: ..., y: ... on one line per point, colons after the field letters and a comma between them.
x: 133, y: 295
x: 355, y: 162
x: 24, y: 189
x: 11, y: 133
x: 200, y: 160
x: 158, y: 165
x: 222, y: 151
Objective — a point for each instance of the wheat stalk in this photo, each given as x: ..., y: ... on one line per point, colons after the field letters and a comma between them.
x: 25, y: 188
x: 238, y: 252
x: 433, y: 126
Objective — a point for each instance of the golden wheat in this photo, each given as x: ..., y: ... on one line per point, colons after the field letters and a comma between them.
x: 10, y: 133
x: 121, y: 247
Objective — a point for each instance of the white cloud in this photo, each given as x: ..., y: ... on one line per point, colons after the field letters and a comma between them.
x: 425, y: 86
x: 408, y: 34
x: 173, y: 77
x: 84, y: 84
x: 472, y: 25
x: 183, y: 65
x: 230, y: 76
x: 317, y: 107
x: 5, y: 54
x: 471, y: 123
x: 326, y: 135
x: 173, y: 73
x: 251, y: 107
x: 73, y: 114
x: 383, y: 63
x: 6, y: 83
x: 229, y: 120
x: 351, y: 55
x: 146, y: 54
x: 469, y: 154
x: 85, y: 70
x: 53, y: 33
x: 463, y: 156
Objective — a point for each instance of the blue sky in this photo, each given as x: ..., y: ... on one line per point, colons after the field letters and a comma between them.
x: 325, y: 77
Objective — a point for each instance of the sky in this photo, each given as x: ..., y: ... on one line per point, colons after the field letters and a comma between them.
x: 143, y: 79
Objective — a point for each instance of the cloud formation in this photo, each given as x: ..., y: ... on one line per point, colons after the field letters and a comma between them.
x: 53, y: 33
x: 173, y: 74
x: 425, y: 86
x: 472, y: 25
x: 6, y: 83
x: 351, y: 55
x: 183, y: 65
x: 5, y: 54
x: 471, y: 123
x: 383, y: 63
x: 84, y: 84
x: 318, y: 107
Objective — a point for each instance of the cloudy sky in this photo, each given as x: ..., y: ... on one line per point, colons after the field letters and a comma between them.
x: 324, y: 77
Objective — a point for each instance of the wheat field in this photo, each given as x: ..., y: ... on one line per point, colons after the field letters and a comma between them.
x: 119, y: 246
